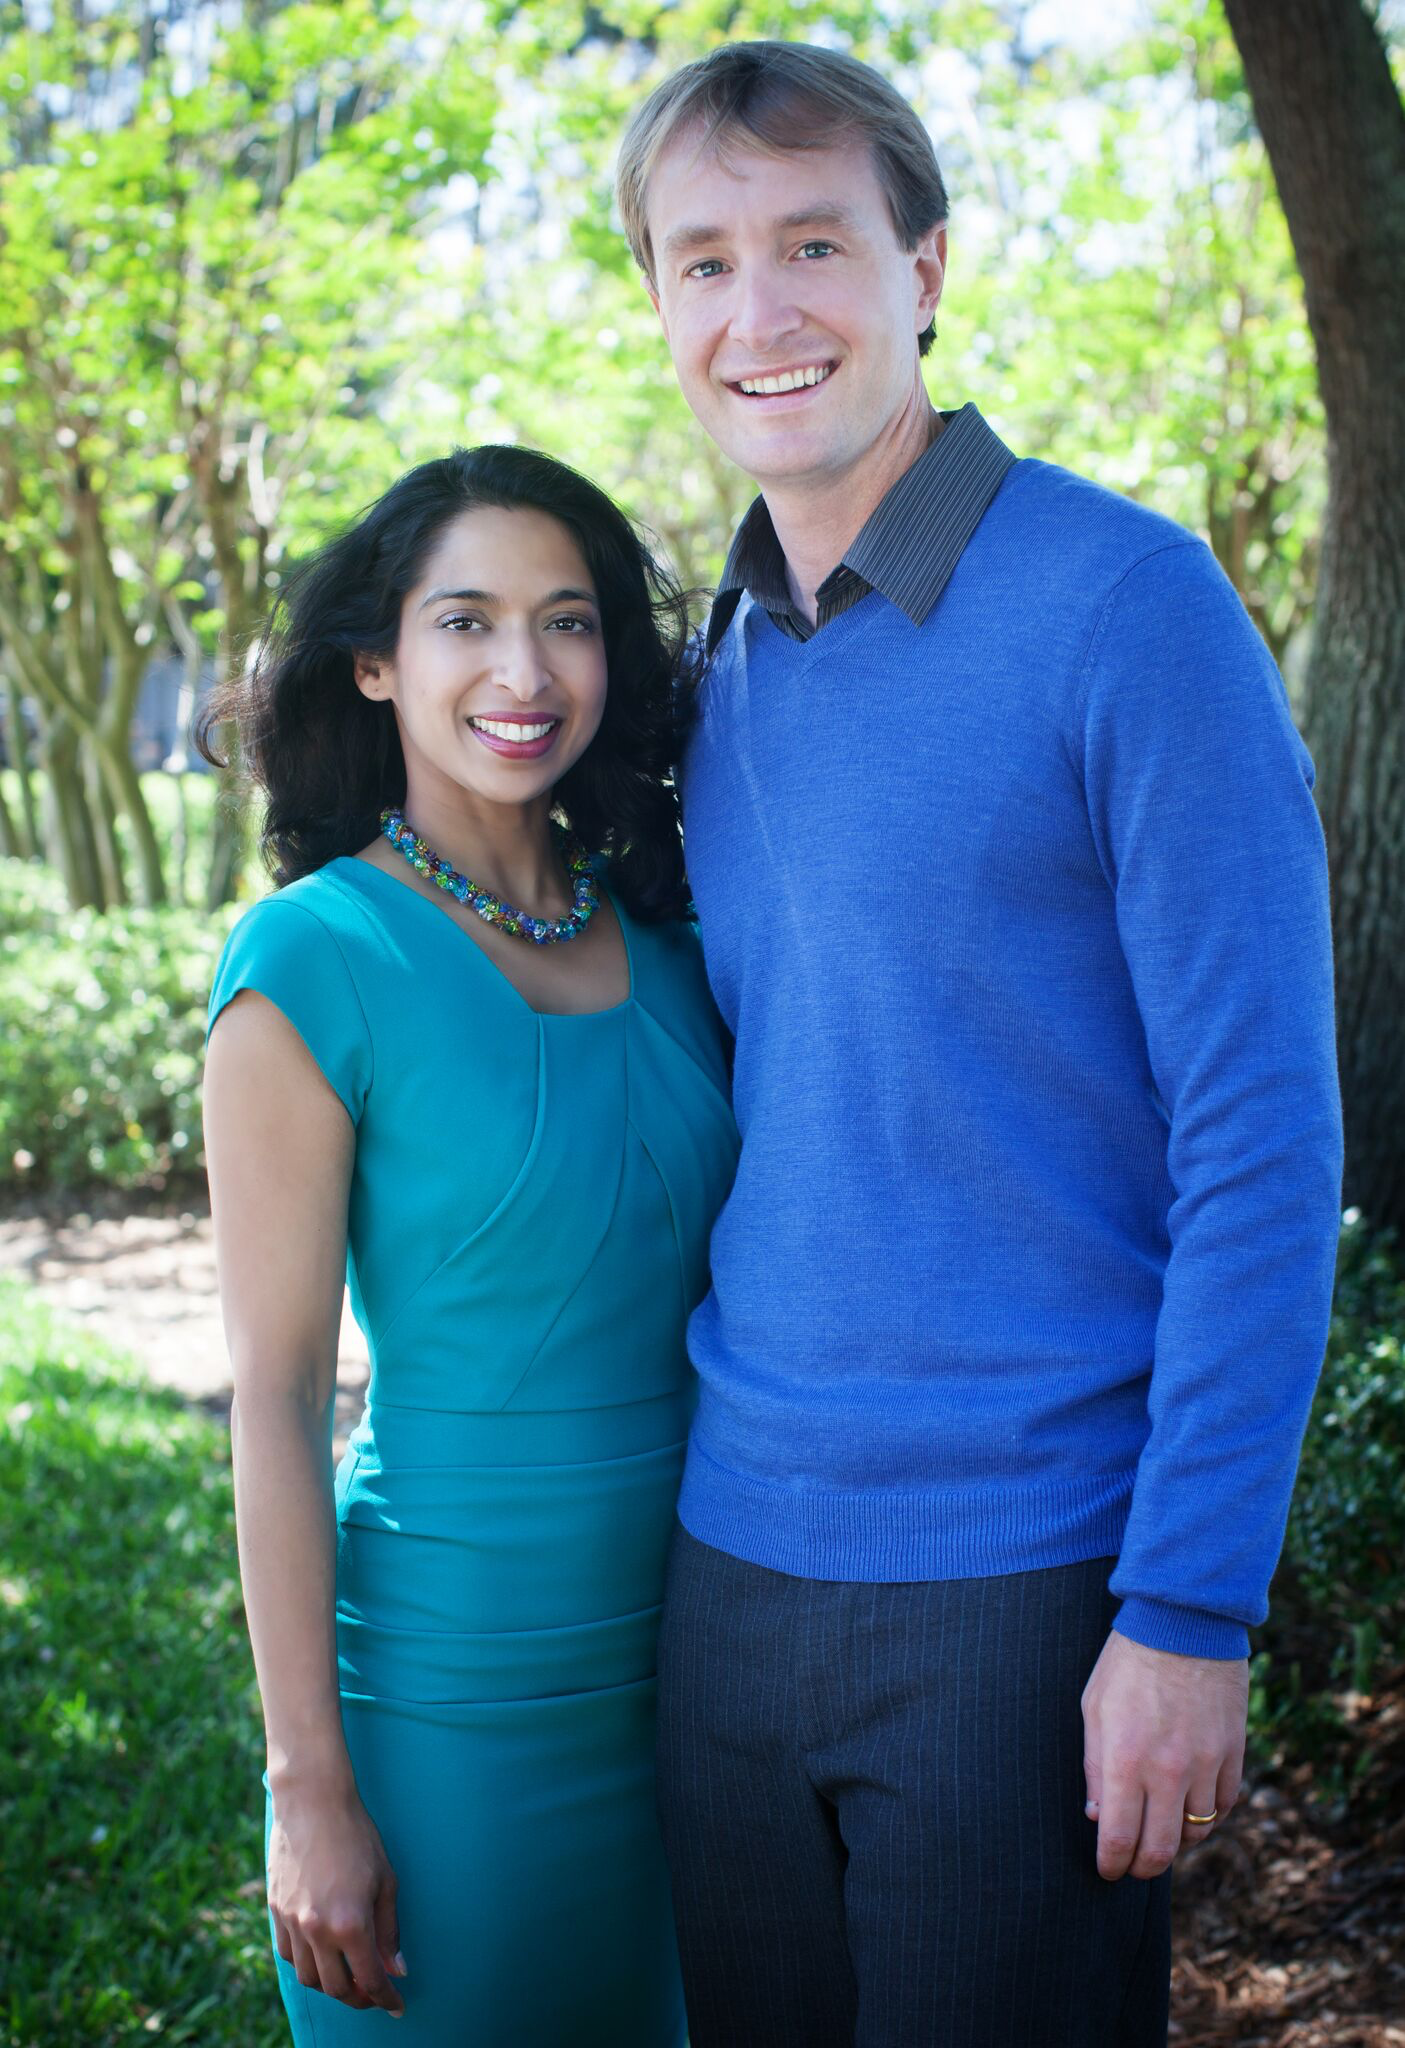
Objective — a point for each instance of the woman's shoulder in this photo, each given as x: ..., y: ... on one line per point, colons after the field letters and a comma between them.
x: 316, y: 909
x: 309, y: 933
x: 296, y: 947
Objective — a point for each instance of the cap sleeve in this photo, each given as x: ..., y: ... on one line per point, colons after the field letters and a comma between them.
x: 287, y: 954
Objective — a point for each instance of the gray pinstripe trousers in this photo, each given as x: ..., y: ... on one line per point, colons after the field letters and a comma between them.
x: 872, y: 1802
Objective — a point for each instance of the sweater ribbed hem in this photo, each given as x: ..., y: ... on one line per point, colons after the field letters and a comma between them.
x: 887, y: 1537
x: 1188, y: 1631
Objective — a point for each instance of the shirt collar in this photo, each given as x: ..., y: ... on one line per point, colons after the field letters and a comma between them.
x: 909, y: 545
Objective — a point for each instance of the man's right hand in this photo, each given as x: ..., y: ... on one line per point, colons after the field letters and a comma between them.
x: 331, y: 1892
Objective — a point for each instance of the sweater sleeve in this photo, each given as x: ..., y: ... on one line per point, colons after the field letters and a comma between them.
x: 287, y: 954
x: 1199, y: 796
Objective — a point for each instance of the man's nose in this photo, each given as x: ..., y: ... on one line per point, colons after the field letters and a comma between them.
x: 764, y: 313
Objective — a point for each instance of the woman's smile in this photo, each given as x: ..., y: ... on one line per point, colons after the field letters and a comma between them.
x: 516, y: 736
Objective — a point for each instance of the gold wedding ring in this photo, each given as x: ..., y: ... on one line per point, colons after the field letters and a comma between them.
x: 1203, y: 1820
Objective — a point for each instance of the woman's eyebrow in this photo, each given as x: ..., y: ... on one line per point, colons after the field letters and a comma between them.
x: 468, y: 596
x: 566, y: 595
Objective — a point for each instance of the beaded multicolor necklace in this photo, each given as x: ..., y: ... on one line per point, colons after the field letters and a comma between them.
x: 541, y: 931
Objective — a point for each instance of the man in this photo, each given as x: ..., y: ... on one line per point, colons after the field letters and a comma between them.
x: 1013, y: 894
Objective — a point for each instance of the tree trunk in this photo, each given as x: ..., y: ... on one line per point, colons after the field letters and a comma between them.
x: 103, y: 812
x: 9, y: 837
x: 69, y: 836
x: 123, y: 789
x: 17, y: 746
x: 1334, y: 128
x: 228, y: 834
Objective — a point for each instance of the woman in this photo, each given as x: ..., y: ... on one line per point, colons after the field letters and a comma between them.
x: 467, y: 1056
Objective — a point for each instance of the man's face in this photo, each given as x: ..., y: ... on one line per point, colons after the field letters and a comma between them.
x: 783, y: 268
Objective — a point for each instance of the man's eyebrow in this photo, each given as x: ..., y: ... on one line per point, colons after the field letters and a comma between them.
x: 825, y: 213
x: 691, y: 236
x: 568, y: 594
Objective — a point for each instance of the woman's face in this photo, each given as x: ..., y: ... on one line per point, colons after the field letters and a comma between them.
x: 498, y: 677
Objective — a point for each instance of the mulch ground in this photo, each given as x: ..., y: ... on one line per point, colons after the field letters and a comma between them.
x: 1290, y: 1920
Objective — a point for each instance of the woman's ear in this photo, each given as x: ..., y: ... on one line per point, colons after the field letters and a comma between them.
x: 375, y: 678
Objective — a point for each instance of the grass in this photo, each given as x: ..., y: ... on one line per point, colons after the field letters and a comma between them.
x: 131, y: 1901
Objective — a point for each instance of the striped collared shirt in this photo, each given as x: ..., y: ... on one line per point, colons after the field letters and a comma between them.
x: 906, y: 549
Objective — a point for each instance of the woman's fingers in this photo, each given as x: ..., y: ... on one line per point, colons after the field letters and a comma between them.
x: 387, y: 1926
x: 336, y: 1977
x: 369, y: 1972
x: 304, y: 1962
x: 281, y: 1940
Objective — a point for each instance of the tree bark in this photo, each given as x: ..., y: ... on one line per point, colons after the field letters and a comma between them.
x: 9, y: 837
x: 103, y: 812
x: 17, y: 746
x: 1334, y: 128
x: 70, y: 833
x: 112, y: 728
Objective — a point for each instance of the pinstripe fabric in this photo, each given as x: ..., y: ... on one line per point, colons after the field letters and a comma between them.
x: 907, y: 548
x: 872, y: 1801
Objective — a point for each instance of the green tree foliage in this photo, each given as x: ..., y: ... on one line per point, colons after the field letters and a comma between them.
x: 250, y: 273
x: 209, y: 273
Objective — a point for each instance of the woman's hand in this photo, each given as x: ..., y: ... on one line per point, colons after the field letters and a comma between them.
x: 331, y: 1892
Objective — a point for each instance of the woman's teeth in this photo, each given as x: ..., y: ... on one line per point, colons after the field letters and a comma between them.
x: 788, y: 380
x: 500, y: 729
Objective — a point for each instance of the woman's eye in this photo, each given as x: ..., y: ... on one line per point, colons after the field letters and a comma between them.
x: 572, y: 623
x: 460, y: 619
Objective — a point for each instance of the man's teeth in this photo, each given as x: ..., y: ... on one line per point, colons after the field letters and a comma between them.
x: 788, y: 380
x: 500, y: 730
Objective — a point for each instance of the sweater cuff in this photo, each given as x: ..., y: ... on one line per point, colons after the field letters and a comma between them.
x: 1186, y: 1631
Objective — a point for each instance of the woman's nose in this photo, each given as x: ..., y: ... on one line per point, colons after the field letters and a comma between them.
x: 519, y: 665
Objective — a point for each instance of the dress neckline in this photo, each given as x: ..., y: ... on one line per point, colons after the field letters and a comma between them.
x: 466, y: 938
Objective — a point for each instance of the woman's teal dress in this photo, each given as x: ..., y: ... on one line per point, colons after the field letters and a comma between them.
x: 527, y: 1234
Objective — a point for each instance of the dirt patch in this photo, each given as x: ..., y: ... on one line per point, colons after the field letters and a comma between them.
x: 1290, y: 1921
x: 143, y: 1276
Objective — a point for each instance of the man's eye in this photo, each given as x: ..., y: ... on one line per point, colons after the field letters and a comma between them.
x: 816, y: 248
x: 710, y: 266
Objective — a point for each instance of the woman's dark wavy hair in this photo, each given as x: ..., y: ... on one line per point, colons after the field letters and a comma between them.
x: 329, y: 760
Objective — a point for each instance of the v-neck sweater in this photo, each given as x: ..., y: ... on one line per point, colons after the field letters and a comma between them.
x: 1018, y: 916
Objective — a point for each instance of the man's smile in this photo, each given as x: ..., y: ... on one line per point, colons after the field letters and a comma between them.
x: 782, y: 383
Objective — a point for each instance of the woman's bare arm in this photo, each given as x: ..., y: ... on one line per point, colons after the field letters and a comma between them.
x: 280, y: 1148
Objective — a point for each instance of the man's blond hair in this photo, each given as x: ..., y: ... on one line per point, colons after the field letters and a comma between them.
x: 775, y: 98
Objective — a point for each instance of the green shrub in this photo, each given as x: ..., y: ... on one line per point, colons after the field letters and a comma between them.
x: 32, y: 899
x: 130, y: 1807
x: 101, y: 1038
x: 1337, y: 1618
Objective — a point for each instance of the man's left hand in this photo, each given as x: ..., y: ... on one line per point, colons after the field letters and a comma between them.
x: 1163, y: 1737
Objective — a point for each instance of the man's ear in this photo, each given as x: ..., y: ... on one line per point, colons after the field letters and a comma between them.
x: 374, y: 677
x: 652, y: 290
x: 929, y: 262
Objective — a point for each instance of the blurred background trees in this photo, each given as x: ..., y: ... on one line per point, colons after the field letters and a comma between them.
x: 257, y: 258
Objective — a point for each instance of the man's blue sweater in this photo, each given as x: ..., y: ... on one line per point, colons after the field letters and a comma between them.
x: 1019, y: 918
